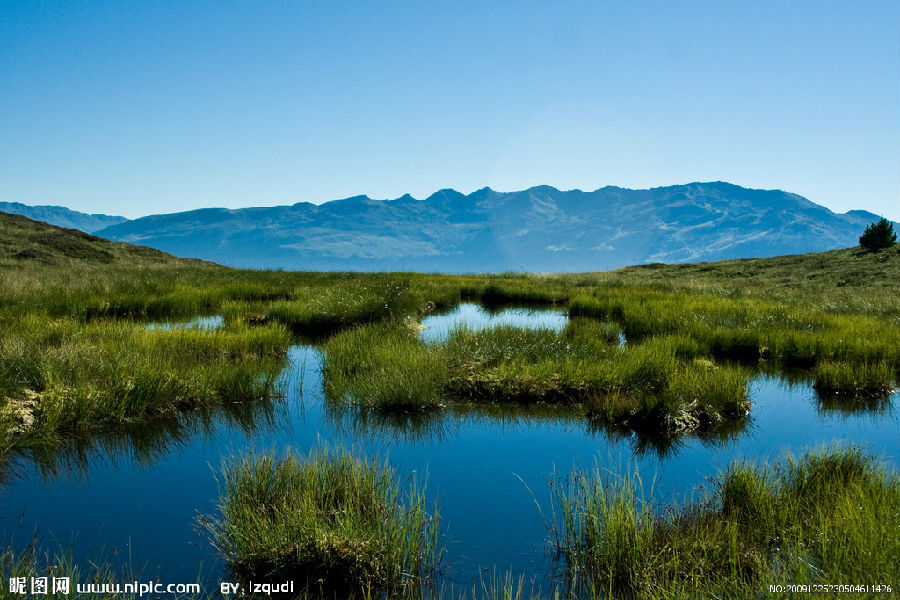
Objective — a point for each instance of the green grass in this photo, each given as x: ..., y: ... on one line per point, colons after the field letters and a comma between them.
x: 323, y: 310
x: 65, y: 377
x: 828, y: 517
x: 865, y: 381
x: 644, y: 385
x: 332, y: 521
x: 384, y: 365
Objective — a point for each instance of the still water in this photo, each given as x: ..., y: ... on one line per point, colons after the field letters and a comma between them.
x: 134, y: 501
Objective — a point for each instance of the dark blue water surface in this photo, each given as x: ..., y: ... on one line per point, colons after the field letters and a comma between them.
x: 136, y: 502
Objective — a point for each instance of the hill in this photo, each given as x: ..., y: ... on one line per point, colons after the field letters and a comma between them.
x: 24, y: 242
x: 62, y: 217
x: 540, y: 229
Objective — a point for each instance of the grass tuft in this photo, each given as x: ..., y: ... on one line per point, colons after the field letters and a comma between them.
x: 812, y: 519
x: 332, y: 521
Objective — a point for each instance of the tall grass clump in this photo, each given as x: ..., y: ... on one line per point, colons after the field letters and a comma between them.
x: 383, y: 365
x: 83, y: 377
x: 703, y: 393
x: 602, y: 528
x: 865, y: 380
x: 331, y: 521
x: 321, y: 310
x: 829, y: 516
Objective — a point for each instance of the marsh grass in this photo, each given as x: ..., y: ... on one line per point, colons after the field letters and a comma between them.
x: 324, y: 310
x: 647, y: 385
x: 334, y: 522
x: 748, y: 329
x: 866, y: 381
x: 384, y: 365
x: 813, y: 519
x: 66, y: 376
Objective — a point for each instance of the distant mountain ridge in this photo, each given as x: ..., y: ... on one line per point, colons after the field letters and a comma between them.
x: 62, y: 216
x: 539, y: 229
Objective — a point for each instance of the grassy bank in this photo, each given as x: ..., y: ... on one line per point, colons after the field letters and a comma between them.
x: 809, y: 520
x: 331, y: 521
x: 64, y: 377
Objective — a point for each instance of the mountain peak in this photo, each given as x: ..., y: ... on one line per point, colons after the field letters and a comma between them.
x: 359, y: 198
x: 548, y: 189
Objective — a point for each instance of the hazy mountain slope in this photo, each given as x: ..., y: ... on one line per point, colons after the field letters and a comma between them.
x: 539, y: 229
x: 62, y: 217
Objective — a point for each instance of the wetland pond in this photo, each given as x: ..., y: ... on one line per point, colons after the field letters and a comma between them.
x: 134, y: 499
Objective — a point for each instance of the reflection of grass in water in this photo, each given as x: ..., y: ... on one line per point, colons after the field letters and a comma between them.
x: 828, y: 399
x: 877, y: 407
x: 430, y: 425
x: 496, y: 298
x: 646, y: 441
x: 144, y: 443
x: 814, y: 520
x: 332, y: 521
x: 437, y: 425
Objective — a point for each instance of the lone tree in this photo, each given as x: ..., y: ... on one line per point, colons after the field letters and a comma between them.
x: 878, y: 236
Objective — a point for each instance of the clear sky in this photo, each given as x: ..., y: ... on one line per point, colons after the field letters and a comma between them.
x: 136, y: 108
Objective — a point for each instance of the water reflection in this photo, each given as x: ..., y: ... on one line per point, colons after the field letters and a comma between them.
x: 141, y: 446
x: 645, y: 442
x: 845, y: 406
x: 476, y: 317
x: 437, y: 425
x: 208, y: 322
x: 432, y: 426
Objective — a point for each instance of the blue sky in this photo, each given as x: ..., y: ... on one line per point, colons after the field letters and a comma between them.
x: 138, y: 108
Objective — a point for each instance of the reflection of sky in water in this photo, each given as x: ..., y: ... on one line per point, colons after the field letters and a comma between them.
x: 475, y: 317
x: 208, y: 323
x: 477, y: 467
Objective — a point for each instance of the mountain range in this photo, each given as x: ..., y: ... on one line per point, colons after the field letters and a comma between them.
x: 540, y: 229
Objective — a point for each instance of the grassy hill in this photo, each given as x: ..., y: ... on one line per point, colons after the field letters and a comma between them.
x: 24, y: 241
